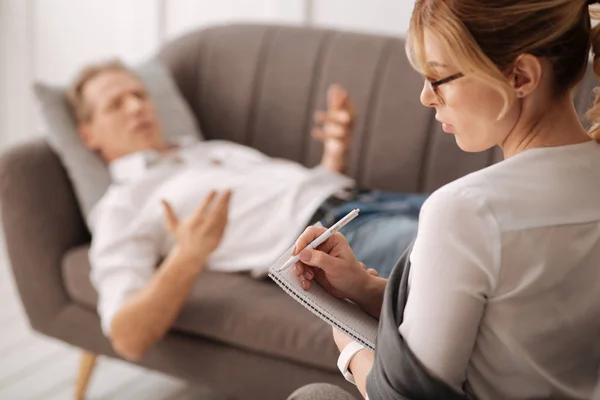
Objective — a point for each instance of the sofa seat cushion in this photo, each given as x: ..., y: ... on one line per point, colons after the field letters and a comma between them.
x: 233, y: 309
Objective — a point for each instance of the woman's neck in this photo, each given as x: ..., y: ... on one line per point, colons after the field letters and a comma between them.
x: 557, y: 125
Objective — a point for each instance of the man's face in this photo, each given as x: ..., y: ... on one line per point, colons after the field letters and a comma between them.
x: 122, y: 117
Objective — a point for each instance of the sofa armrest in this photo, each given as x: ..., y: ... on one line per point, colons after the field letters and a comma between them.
x: 41, y: 220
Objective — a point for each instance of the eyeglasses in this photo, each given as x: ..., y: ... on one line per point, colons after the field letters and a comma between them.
x: 434, y: 86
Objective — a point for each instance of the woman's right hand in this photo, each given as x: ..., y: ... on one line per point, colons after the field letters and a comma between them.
x: 333, y: 265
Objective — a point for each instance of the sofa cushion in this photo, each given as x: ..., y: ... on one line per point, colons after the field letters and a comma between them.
x: 87, y: 171
x: 233, y: 309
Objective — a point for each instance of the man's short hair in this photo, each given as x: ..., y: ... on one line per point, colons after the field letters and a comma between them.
x: 81, y: 110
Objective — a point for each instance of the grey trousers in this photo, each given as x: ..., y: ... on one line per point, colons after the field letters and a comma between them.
x: 321, y: 391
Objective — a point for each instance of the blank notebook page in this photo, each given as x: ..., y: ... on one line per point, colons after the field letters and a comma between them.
x: 342, y: 314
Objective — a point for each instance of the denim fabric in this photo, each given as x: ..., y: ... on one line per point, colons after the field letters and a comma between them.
x: 386, y: 226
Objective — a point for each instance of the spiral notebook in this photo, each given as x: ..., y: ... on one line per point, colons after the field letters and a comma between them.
x: 342, y: 314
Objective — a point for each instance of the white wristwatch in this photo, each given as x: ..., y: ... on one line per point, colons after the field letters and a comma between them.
x: 345, y: 357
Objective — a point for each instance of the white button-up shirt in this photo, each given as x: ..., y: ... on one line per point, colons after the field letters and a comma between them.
x: 505, y: 278
x: 272, y: 202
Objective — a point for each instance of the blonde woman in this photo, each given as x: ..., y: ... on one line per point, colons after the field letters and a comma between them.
x: 499, y: 297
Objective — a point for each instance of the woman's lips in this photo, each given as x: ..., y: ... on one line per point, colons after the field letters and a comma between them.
x: 447, y: 128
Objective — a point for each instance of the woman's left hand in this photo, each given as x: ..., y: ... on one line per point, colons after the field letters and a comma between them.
x: 361, y: 363
x: 341, y: 340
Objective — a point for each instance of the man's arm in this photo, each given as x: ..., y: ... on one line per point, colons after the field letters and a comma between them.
x: 140, y: 309
x: 150, y: 312
x: 335, y: 129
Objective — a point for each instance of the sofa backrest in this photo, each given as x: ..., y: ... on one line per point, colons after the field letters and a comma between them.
x: 259, y: 85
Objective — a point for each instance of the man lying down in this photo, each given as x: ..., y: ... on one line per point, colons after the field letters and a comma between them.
x: 209, y: 204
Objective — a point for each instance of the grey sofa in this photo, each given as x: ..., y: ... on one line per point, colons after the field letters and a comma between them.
x: 257, y: 85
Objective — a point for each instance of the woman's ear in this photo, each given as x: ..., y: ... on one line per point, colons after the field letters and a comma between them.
x: 526, y: 74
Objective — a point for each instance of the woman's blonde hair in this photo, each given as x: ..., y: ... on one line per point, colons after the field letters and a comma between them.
x: 483, y: 38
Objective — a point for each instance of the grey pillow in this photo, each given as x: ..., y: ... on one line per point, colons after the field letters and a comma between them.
x: 87, y: 171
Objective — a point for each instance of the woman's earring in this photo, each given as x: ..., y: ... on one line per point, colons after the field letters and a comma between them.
x: 520, y: 95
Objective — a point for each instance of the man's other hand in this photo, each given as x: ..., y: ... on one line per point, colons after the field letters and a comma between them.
x: 334, y: 128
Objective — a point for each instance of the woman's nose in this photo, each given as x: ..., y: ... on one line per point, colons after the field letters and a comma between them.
x: 428, y: 97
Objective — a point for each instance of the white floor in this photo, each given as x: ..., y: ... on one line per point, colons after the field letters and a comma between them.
x: 33, y: 366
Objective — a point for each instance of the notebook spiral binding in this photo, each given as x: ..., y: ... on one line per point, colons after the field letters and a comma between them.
x: 321, y: 313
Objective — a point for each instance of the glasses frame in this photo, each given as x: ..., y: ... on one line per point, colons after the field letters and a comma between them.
x: 434, y: 86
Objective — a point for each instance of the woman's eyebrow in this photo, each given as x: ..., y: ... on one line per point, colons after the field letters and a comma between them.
x: 435, y: 64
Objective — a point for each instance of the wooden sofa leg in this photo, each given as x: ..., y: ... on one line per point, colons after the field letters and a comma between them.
x: 86, y: 367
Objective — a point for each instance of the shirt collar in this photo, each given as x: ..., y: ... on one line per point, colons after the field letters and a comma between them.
x: 133, y: 166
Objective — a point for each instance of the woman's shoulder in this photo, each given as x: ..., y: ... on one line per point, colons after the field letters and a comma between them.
x: 469, y: 203
x: 531, y: 189
x: 495, y: 184
x: 459, y: 203
x: 472, y: 189
x: 458, y: 221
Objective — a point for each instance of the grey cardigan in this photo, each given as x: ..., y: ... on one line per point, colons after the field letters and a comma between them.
x: 397, y: 373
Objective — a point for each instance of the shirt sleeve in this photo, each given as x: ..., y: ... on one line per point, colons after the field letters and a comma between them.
x: 326, y: 173
x: 123, y: 258
x: 454, y: 270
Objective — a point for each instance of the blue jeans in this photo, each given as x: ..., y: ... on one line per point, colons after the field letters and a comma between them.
x: 386, y: 226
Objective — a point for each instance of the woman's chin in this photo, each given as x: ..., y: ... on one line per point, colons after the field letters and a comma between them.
x: 469, y: 146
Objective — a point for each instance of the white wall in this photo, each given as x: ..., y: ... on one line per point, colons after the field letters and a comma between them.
x: 15, y: 69
x: 69, y: 33
x: 376, y: 16
x: 185, y: 15
x: 49, y: 40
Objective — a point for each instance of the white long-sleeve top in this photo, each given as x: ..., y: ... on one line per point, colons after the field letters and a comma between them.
x: 272, y: 202
x: 504, y: 290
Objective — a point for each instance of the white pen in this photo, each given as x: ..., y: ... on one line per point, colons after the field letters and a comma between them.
x: 323, y: 237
